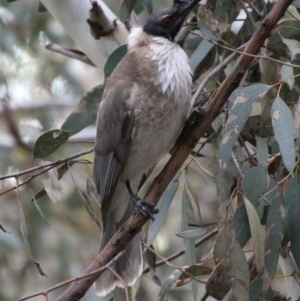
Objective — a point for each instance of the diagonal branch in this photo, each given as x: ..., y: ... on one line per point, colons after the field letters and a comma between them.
x: 212, y: 108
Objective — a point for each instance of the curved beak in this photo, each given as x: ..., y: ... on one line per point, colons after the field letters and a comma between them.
x: 183, y: 8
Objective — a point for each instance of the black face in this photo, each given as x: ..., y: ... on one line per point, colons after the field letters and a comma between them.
x: 167, y: 23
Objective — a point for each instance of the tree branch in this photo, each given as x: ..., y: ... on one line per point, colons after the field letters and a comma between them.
x: 212, y: 108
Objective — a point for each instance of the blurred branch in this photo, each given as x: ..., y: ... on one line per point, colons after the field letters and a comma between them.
x: 73, y: 14
x: 11, y: 123
x: 55, y: 287
x: 42, y: 166
x: 72, y: 53
x: 212, y: 109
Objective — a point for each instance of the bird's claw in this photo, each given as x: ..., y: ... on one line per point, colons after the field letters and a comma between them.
x: 141, y: 206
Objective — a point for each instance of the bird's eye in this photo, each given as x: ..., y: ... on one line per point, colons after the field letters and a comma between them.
x: 166, y: 21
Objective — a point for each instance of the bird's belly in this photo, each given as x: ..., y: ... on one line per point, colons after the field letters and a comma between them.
x: 155, y: 134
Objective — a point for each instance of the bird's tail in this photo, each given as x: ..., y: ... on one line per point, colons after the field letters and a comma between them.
x: 129, y: 266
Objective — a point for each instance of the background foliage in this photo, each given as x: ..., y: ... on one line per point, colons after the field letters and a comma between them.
x: 242, y: 179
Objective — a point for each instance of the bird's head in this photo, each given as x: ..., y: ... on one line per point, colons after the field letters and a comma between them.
x: 168, y: 22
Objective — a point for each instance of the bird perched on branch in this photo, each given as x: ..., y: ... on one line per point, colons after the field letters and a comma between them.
x: 144, y: 106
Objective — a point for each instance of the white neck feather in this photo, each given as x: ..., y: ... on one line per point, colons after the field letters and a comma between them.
x: 174, y: 72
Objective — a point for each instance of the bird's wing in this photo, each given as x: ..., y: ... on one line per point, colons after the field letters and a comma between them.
x: 113, y: 141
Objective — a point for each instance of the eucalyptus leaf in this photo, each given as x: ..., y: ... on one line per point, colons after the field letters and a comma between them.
x: 292, y: 197
x: 282, y: 121
x: 49, y: 142
x: 162, y: 206
x: 238, y: 116
x: 52, y: 186
x: 85, y: 113
x: 257, y: 234
x: 114, y: 59
x: 274, y: 234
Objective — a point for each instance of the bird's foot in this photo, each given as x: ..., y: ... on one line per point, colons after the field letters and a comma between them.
x: 141, y: 204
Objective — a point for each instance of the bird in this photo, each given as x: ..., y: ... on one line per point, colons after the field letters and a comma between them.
x: 144, y: 106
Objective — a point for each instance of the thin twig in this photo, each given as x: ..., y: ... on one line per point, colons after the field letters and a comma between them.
x: 198, y: 243
x: 55, y: 287
x: 243, y: 53
x: 182, y: 269
x: 254, y: 8
x: 252, y: 22
x: 55, y: 163
x: 211, y: 74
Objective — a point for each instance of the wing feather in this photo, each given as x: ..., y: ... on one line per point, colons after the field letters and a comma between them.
x: 114, y: 127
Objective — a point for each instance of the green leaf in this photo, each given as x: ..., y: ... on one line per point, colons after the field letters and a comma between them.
x: 255, y: 183
x: 238, y: 116
x: 296, y: 3
x: 255, y: 290
x: 114, y: 59
x: 297, y: 120
x: 179, y: 278
x: 241, y: 274
x: 292, y: 196
x: 162, y: 206
x: 274, y: 235
x: 49, y: 142
x: 196, y: 233
x: 189, y: 243
x: 242, y: 227
x: 126, y: 9
x: 207, y: 32
x: 200, y: 53
x: 287, y: 75
x: 232, y: 263
x: 148, y: 5
x: 282, y: 121
x: 86, y: 111
x: 257, y: 234
x: 262, y: 154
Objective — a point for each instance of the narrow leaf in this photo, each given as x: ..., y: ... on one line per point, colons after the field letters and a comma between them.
x: 242, y: 227
x: 179, y: 278
x: 61, y: 171
x: 262, y: 150
x: 255, y: 183
x: 274, y: 235
x: 257, y: 234
x: 282, y: 121
x: 196, y: 233
x: 287, y: 75
x: 114, y: 59
x: 24, y: 232
x: 200, y: 53
x: 238, y: 116
x: 86, y: 111
x: 292, y: 196
x: 53, y: 186
x: 162, y: 206
x: 89, y: 208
